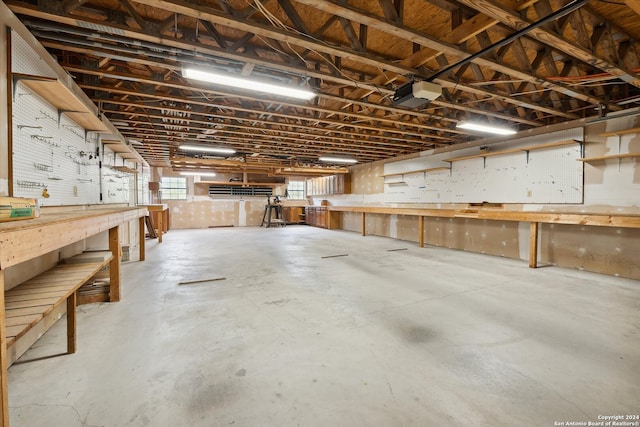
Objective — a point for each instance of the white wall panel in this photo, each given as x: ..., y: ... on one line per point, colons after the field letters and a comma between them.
x: 54, y: 159
x: 550, y: 175
x: 25, y: 60
x: 52, y: 155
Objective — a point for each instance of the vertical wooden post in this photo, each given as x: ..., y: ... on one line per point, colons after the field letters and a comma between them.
x: 4, y: 391
x: 327, y: 219
x: 364, y: 224
x: 167, y: 221
x: 114, y: 265
x: 420, y: 231
x: 141, y: 244
x: 533, y: 245
x: 71, y: 323
x: 160, y: 216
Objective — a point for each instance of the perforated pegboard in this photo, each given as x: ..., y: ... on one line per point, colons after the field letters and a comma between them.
x: 117, y: 184
x: 550, y: 175
x: 144, y: 177
x: 25, y: 60
x: 54, y: 159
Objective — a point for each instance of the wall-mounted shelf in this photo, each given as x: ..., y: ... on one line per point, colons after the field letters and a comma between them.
x: 527, y: 149
x: 611, y: 156
x: 483, y: 155
x: 123, y: 150
x: 63, y: 99
x: 443, y: 168
x: 621, y: 132
x: 124, y: 169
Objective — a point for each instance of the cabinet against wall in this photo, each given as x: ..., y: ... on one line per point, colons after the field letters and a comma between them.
x: 316, y: 216
x: 293, y: 214
x: 324, y: 185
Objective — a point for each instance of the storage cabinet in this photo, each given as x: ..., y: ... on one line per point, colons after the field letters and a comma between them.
x: 325, y: 185
x: 293, y: 214
x: 316, y: 216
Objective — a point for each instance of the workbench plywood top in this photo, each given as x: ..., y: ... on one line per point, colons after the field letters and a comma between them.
x: 24, y: 240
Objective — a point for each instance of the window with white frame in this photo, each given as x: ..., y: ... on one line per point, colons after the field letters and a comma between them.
x: 295, y: 190
x: 173, y: 188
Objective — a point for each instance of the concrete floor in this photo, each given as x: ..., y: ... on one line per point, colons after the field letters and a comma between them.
x: 416, y: 337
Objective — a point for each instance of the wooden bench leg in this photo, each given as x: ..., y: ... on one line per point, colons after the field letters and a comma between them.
x: 71, y: 323
x: 160, y: 226
x: 141, y: 237
x: 114, y: 265
x: 4, y: 391
x: 533, y: 245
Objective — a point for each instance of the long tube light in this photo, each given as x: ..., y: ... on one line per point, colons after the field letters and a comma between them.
x: 485, y: 128
x: 227, y: 80
x: 198, y: 173
x: 205, y: 149
x: 332, y: 159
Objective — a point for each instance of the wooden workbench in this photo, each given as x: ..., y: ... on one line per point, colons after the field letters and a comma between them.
x: 21, y: 241
x: 624, y: 220
x: 159, y: 214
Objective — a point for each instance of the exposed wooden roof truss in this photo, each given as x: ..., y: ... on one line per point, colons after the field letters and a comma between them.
x: 128, y: 56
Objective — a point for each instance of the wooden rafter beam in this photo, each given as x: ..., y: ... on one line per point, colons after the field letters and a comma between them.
x: 356, y: 15
x: 363, y: 17
x: 205, y: 90
x: 390, y: 11
x: 142, y: 22
x: 165, y: 40
x: 336, y: 77
x: 240, y: 110
x: 293, y: 15
x: 512, y: 19
x: 69, y: 6
x: 274, y: 124
x: 634, y: 5
x: 193, y: 126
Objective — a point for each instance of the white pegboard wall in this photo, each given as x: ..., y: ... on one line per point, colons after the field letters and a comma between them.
x: 25, y: 60
x: 51, y: 155
x: 143, y: 186
x: 117, y: 186
x: 550, y: 175
x: 54, y: 159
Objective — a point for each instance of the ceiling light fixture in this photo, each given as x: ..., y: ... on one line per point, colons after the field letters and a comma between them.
x: 332, y: 159
x: 480, y: 127
x: 206, y: 149
x: 198, y: 173
x: 241, y: 83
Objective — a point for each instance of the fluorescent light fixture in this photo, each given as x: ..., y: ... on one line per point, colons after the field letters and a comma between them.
x: 207, y: 149
x: 485, y: 128
x: 243, y: 83
x: 332, y: 159
x: 198, y: 173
